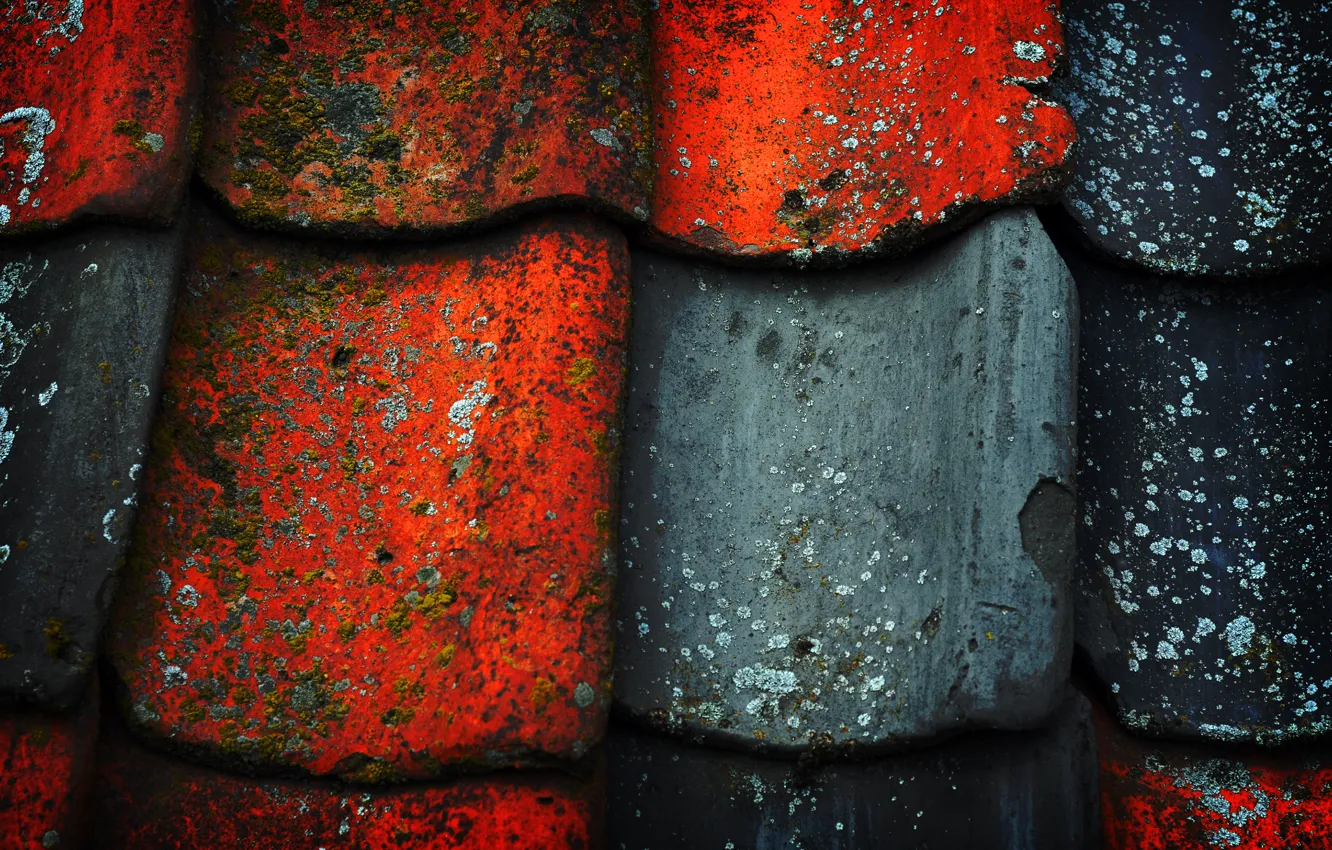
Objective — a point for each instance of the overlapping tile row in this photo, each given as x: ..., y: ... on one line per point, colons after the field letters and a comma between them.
x: 97, y: 108
x: 1157, y: 795
x: 1203, y: 132
x: 816, y: 131
x: 847, y: 515
x: 377, y: 540
x: 145, y: 799
x: 46, y: 769
x: 782, y: 132
x: 84, y: 322
x: 1205, y: 468
x: 372, y: 118
x: 993, y: 791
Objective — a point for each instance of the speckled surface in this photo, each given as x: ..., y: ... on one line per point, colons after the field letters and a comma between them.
x: 1162, y: 796
x: 378, y: 534
x: 97, y: 109
x: 422, y: 116
x: 1203, y: 132
x: 818, y: 132
x: 84, y: 322
x: 146, y: 800
x: 1204, y: 470
x: 46, y: 767
x: 846, y: 514
x: 992, y: 791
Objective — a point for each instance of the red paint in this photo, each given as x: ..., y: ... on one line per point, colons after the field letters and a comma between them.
x: 98, y: 109
x: 364, y: 117
x: 376, y: 538
x: 1157, y: 795
x: 46, y: 762
x: 766, y: 116
x: 147, y: 800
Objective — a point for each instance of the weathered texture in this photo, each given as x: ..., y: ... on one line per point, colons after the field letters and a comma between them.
x: 1205, y: 461
x: 148, y: 800
x: 1158, y: 796
x: 421, y: 116
x: 84, y: 323
x: 816, y: 131
x: 96, y: 110
x: 46, y: 766
x: 845, y: 505
x: 1203, y: 131
x: 987, y: 791
x: 378, y: 536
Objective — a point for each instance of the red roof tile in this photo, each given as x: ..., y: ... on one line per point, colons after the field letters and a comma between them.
x: 96, y: 101
x: 798, y: 127
x: 147, y: 800
x: 376, y: 535
x: 423, y: 115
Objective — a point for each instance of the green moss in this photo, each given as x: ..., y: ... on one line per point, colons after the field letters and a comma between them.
x: 57, y: 639
x: 383, y: 145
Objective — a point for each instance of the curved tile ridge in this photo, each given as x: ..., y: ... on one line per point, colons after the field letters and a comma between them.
x: 1205, y: 488
x: 376, y: 536
x: 422, y: 116
x: 1203, y: 129
x: 84, y: 323
x: 845, y: 495
x: 817, y: 131
x: 96, y: 110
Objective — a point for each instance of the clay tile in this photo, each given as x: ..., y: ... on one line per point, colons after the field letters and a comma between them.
x: 96, y: 110
x: 368, y: 118
x: 148, y: 800
x: 46, y: 768
x: 991, y: 791
x: 846, y: 513
x: 1204, y: 482
x: 1155, y: 794
x: 84, y: 323
x: 1202, y: 132
x: 377, y: 531
x: 816, y: 131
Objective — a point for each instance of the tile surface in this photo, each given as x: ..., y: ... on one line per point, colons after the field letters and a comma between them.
x: 377, y: 536
x: 1202, y: 132
x: 991, y: 791
x: 84, y: 323
x: 845, y: 499
x: 96, y: 105
x: 1205, y: 462
x: 820, y: 131
x: 421, y: 116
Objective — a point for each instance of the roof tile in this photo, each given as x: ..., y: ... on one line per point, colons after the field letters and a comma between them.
x: 96, y: 105
x: 1204, y: 482
x: 421, y: 116
x: 148, y: 800
x: 84, y: 323
x: 376, y: 537
x: 992, y: 791
x: 845, y: 495
x: 818, y: 130
x: 1202, y: 131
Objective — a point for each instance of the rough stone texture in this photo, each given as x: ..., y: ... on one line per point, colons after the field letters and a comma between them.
x: 988, y: 791
x: 369, y: 118
x: 96, y: 105
x: 1158, y: 796
x: 146, y: 800
x: 817, y: 131
x: 46, y: 766
x: 1202, y: 129
x: 84, y: 322
x: 1205, y: 461
x: 378, y: 537
x: 846, y: 514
